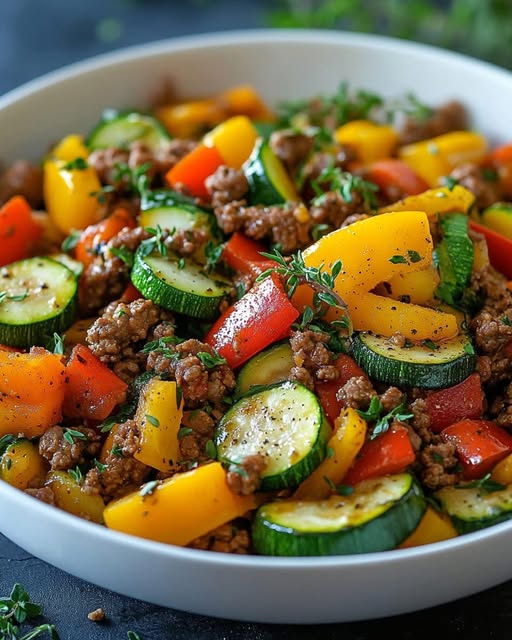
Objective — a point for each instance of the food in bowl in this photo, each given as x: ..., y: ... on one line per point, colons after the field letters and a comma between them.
x: 254, y: 331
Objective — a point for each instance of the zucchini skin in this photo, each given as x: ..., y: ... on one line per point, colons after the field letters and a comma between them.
x: 266, y: 367
x: 382, y: 533
x: 411, y: 374
x: 101, y: 137
x: 262, y: 189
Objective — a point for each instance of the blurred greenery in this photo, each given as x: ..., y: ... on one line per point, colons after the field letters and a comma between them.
x: 480, y: 28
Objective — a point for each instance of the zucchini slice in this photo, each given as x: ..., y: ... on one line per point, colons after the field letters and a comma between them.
x: 285, y: 423
x: 428, y: 366
x: 268, y: 181
x: 474, y: 508
x: 179, y: 284
x: 379, y: 515
x: 119, y: 129
x: 38, y: 298
x: 268, y: 366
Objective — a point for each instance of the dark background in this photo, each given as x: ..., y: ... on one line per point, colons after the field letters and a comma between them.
x: 37, y: 36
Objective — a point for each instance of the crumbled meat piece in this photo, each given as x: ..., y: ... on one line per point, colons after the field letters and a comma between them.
x: 421, y: 420
x: 448, y: 117
x: 291, y: 147
x: 313, y: 360
x: 245, y: 478
x: 334, y: 210
x: 287, y: 226
x: 340, y: 157
x: 186, y: 242
x: 22, y: 178
x: 473, y: 178
x: 357, y: 393
x: 123, y: 473
x: 438, y: 465
x: 45, y: 494
x: 228, y: 538
x: 200, y: 426
x: 490, y: 332
x: 198, y: 382
x: 63, y: 454
x: 398, y: 340
x: 98, y: 615
x: 391, y: 399
x: 116, y: 337
x: 225, y: 185
x: 501, y: 407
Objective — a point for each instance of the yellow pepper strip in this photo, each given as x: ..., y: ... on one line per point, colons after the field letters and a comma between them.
x: 77, y: 332
x: 187, y: 119
x: 345, y: 444
x: 373, y: 251
x: 70, y: 148
x: 70, y: 497
x: 22, y: 465
x: 437, y: 157
x: 435, y: 201
x: 502, y: 472
x: 499, y: 218
x: 244, y: 100
x: 433, y: 527
x: 159, y: 417
x: 370, y: 140
x: 234, y: 139
x: 179, y: 509
x: 418, y: 286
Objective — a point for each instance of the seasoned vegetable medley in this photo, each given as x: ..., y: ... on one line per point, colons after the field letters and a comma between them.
x: 276, y: 330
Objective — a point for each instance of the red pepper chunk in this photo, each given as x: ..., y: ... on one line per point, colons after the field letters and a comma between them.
x: 244, y: 255
x: 393, y: 173
x: 18, y: 230
x: 499, y: 248
x: 479, y: 444
x: 389, y: 452
x: 96, y: 235
x: 450, y: 405
x: 327, y: 391
x: 262, y: 316
x: 193, y: 169
x: 92, y: 389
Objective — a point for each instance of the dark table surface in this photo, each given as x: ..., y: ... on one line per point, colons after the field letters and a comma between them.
x: 40, y: 35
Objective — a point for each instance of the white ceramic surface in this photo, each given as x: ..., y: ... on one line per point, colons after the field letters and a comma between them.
x: 289, y: 590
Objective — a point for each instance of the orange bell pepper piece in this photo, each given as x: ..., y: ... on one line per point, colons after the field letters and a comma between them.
x: 390, y: 172
x: 433, y: 527
x: 96, y: 235
x: 244, y: 100
x: 31, y: 391
x: 22, y: 465
x: 370, y: 140
x: 193, y: 169
x: 234, y: 139
x: 18, y: 230
x: 187, y: 119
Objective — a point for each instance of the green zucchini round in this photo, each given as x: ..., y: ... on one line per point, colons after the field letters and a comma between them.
x: 268, y: 366
x: 119, y: 129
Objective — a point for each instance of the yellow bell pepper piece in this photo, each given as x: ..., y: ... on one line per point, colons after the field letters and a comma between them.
x: 159, y: 417
x: 435, y: 201
x: 433, y: 527
x: 234, y: 139
x: 437, y: 157
x: 374, y: 251
x: 179, y: 509
x: 502, y: 472
x: 77, y: 332
x: 187, y: 119
x: 499, y: 218
x: 417, y: 286
x: 22, y: 465
x: 370, y: 140
x: 244, y: 100
x: 70, y: 148
x: 70, y: 497
x: 345, y: 444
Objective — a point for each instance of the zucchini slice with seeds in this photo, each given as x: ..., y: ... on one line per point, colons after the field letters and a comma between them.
x: 268, y: 181
x: 379, y: 515
x: 283, y: 422
x: 179, y: 284
x: 268, y: 366
x: 433, y: 366
x: 38, y: 297
x: 119, y: 129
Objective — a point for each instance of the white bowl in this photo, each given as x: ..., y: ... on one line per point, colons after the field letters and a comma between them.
x: 280, y: 65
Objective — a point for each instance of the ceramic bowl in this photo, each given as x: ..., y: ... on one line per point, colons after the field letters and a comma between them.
x: 281, y: 65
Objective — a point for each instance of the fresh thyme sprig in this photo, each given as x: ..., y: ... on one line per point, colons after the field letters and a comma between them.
x: 15, y: 610
x: 334, y: 179
x: 382, y: 422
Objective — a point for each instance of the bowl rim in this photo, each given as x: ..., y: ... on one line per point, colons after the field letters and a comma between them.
x: 222, y: 39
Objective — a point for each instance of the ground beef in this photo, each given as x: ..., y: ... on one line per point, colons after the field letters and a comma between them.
x: 98, y: 615
x: 291, y: 147
x: 45, y: 494
x: 187, y: 242
x: 228, y: 538
x: 357, y: 393
x: 313, y: 359
x: 472, y: 178
x: 391, y: 399
x: 438, y: 466
x: 61, y: 454
x: 245, y: 478
x: 333, y: 210
x: 117, y: 336
x: 225, y: 185
x: 287, y: 226
x: 490, y: 332
x: 22, y: 178
x: 199, y: 383
x: 501, y: 407
x: 421, y: 420
x: 199, y: 426
x: 123, y: 473
x: 448, y: 117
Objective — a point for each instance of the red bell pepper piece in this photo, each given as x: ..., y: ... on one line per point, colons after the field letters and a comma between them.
x: 18, y: 230
x: 193, y: 169
x: 390, y: 452
x: 500, y: 159
x: 450, y: 405
x: 92, y: 389
x: 480, y: 444
x: 327, y: 391
x: 130, y: 294
x: 262, y: 316
x: 395, y: 173
x: 244, y: 255
x: 499, y: 248
x: 96, y: 235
